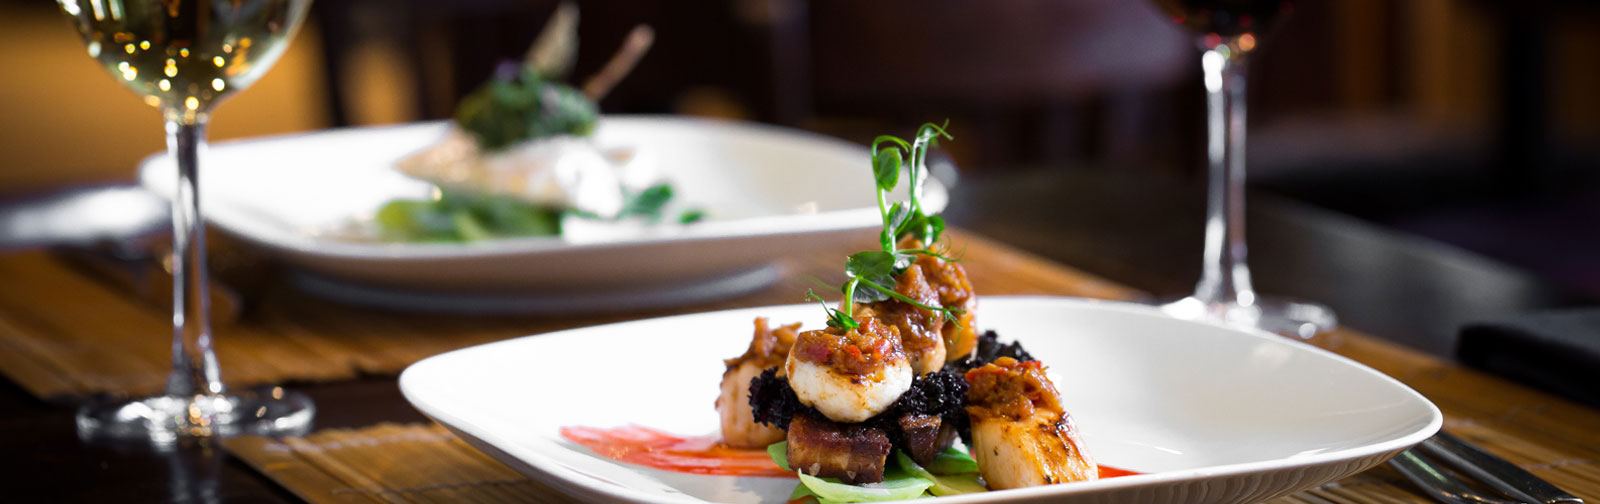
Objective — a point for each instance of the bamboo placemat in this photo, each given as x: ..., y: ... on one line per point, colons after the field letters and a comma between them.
x: 65, y: 333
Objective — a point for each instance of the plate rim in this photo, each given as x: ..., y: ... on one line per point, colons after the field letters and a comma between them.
x: 562, y: 477
x: 937, y: 195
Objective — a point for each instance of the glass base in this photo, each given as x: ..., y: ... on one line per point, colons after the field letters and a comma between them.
x: 269, y: 411
x: 1288, y: 317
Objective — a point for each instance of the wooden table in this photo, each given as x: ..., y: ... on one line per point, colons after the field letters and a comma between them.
x: 1077, y: 217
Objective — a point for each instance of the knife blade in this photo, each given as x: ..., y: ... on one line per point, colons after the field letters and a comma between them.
x: 1494, y: 471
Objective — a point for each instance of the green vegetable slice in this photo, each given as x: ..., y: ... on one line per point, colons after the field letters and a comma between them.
x: 461, y: 218
x: 953, y: 461
x: 897, y: 485
x: 779, y: 452
x: 801, y: 492
x: 508, y: 216
x: 468, y: 227
x: 903, y: 479
x: 954, y: 484
x: 414, y: 221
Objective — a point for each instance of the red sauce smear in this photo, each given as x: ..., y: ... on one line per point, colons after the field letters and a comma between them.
x: 697, y: 455
x: 1113, y: 472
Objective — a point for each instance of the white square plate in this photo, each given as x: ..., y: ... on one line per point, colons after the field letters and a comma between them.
x: 1211, y: 413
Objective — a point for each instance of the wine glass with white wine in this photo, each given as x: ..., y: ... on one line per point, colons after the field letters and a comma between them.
x: 183, y: 57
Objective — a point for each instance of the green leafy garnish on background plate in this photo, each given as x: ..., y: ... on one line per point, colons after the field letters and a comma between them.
x: 467, y: 217
x: 648, y: 203
x: 463, y: 218
x: 519, y: 105
x: 523, y: 103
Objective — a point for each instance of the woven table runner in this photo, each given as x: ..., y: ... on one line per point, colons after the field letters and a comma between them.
x: 66, y: 332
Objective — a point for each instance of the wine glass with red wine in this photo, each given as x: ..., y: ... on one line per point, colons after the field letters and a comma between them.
x: 1227, y: 32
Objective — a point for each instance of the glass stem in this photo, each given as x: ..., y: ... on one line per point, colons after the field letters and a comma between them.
x: 194, y: 364
x: 1226, y: 277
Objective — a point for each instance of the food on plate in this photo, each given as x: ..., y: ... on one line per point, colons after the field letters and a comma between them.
x: 898, y: 396
x: 519, y: 158
x: 872, y: 405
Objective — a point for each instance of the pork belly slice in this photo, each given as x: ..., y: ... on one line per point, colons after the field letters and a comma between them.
x: 854, y: 453
x: 926, y: 436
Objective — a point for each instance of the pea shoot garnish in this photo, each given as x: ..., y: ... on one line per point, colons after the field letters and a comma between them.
x: 872, y: 273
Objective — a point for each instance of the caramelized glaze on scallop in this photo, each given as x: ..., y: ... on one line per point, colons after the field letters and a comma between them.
x: 849, y: 375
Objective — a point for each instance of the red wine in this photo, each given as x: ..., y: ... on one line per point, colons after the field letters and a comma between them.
x: 1225, y: 17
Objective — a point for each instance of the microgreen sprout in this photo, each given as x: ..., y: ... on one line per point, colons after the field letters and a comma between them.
x: 888, y: 155
x: 835, y: 319
x: 872, y: 273
x: 939, y: 251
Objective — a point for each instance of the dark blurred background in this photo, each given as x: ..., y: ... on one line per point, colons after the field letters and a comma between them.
x: 1473, y: 122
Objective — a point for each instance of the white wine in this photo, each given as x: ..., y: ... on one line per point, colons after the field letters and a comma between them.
x: 183, y: 56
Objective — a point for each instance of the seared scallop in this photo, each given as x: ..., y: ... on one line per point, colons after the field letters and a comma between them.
x: 949, y: 281
x: 1042, y: 449
x: 1020, y: 435
x: 849, y: 375
x: 739, y: 428
x: 961, y: 336
x: 929, y: 339
x: 921, y: 330
x: 768, y: 348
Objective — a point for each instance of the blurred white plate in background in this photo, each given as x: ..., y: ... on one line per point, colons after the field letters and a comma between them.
x: 767, y: 192
x: 1212, y: 413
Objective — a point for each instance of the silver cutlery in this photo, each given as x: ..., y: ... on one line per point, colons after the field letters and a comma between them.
x: 1481, y: 465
